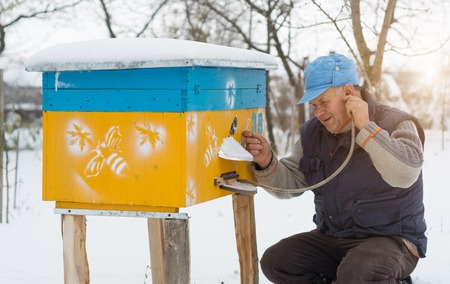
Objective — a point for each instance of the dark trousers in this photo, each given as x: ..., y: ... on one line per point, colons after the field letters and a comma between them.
x: 312, y: 256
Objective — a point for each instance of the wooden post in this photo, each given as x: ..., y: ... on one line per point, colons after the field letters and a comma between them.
x: 76, y: 267
x: 169, y: 250
x: 244, y: 221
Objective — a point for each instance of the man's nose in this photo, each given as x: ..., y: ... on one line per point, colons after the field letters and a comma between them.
x: 318, y: 111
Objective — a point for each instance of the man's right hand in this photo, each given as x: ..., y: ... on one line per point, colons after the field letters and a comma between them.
x: 258, y: 147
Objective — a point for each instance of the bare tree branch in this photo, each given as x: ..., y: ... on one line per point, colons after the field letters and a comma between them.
x: 152, y: 18
x: 431, y: 51
x: 32, y: 14
x: 360, y: 40
x: 359, y: 37
x: 235, y: 25
x: 2, y: 39
x: 379, y: 53
x: 107, y: 19
x: 371, y: 69
x: 46, y: 10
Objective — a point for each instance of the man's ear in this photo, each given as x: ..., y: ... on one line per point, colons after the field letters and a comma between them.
x: 349, y: 90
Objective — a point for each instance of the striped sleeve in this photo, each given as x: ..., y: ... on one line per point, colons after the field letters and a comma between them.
x: 397, y: 157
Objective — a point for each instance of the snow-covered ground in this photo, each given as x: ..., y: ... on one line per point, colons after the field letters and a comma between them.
x: 118, y: 250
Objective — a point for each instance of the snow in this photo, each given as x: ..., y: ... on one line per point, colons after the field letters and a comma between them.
x: 117, y: 247
x: 118, y: 250
x: 131, y: 53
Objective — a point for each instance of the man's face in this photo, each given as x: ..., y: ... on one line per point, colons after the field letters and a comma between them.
x: 329, y: 108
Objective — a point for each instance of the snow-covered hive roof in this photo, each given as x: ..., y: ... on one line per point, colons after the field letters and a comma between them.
x: 132, y: 53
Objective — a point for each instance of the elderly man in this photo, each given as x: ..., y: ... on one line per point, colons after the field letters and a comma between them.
x: 370, y: 218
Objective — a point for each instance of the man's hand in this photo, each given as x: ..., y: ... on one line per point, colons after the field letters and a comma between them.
x: 258, y: 146
x: 358, y: 109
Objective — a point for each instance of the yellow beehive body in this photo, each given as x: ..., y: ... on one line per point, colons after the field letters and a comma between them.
x: 138, y: 161
x: 136, y: 124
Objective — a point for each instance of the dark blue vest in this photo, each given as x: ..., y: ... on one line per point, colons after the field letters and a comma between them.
x: 358, y: 203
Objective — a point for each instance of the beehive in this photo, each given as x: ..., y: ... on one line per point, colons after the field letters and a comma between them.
x: 136, y: 124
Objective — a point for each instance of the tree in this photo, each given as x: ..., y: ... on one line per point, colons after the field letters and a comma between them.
x: 259, y: 25
x: 116, y: 17
x: 377, y: 27
x: 369, y: 60
x: 265, y: 26
x: 14, y: 11
x: 1, y: 144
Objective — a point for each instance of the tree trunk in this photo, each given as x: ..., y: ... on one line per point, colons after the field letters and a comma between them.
x: 16, y: 172
x: 272, y: 141
x: 1, y: 145
x: 7, y: 185
x: 372, y: 61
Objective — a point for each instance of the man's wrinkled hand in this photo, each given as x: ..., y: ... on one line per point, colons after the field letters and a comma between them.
x: 258, y: 146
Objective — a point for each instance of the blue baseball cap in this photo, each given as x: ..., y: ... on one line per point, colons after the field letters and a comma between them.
x: 328, y: 71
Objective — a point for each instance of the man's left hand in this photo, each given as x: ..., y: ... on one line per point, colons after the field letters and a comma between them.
x: 358, y: 109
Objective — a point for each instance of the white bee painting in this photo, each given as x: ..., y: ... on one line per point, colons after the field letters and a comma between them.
x: 231, y: 94
x: 191, y: 127
x: 109, y: 153
x: 213, y: 147
x: 191, y: 193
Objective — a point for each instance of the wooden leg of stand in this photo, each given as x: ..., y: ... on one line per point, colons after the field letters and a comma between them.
x: 169, y: 250
x: 76, y: 267
x: 244, y: 220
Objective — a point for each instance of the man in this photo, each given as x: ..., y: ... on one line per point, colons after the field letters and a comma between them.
x: 370, y: 218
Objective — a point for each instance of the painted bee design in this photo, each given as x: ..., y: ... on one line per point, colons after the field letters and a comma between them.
x: 107, y: 152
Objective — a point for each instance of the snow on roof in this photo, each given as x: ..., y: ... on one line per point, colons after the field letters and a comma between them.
x: 132, y: 53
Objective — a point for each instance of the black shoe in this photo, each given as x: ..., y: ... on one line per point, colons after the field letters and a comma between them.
x: 407, y: 280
